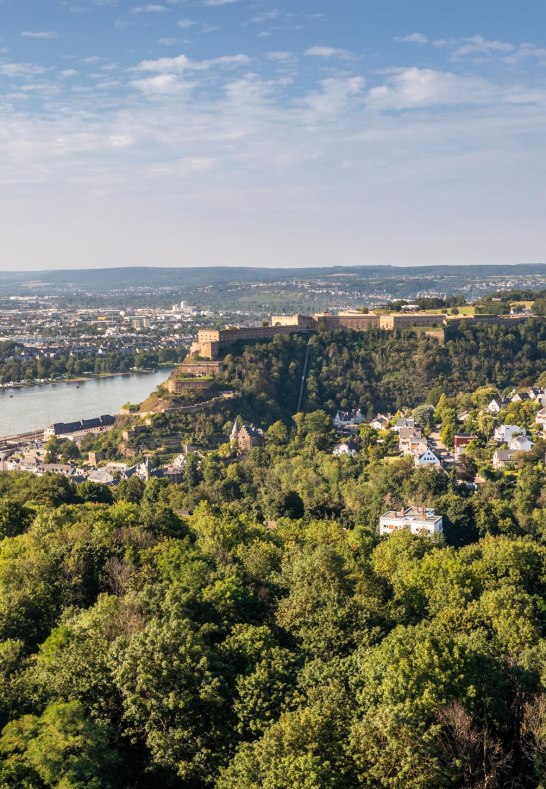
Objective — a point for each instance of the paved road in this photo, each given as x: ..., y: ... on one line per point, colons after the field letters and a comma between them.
x: 440, y: 450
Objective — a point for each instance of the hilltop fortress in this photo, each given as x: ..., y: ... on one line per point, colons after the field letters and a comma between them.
x: 210, y: 343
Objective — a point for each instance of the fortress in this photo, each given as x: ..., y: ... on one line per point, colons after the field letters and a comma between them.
x: 210, y: 343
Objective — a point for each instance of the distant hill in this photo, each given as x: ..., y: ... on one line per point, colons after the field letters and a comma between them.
x: 151, y: 277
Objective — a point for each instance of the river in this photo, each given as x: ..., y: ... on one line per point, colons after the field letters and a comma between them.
x: 35, y: 407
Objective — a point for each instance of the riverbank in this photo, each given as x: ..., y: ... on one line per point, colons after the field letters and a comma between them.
x: 28, y: 408
x: 83, y: 378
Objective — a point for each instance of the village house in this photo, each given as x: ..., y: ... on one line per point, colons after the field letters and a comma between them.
x: 346, y: 418
x: 503, y: 458
x: 460, y: 443
x: 81, y: 427
x: 420, y: 521
x: 537, y: 394
x: 427, y: 458
x: 520, y: 397
x: 520, y: 444
x: 410, y: 438
x: 540, y: 418
x: 505, y: 433
x: 347, y: 449
x: 380, y: 422
x: 404, y: 422
x: 249, y: 437
x: 497, y: 404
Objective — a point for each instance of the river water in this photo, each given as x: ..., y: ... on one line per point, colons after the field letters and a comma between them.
x: 35, y: 407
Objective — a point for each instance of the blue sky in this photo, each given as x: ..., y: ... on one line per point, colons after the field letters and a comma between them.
x: 310, y: 132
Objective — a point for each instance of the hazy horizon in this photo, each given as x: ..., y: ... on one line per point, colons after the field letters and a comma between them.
x: 253, y: 133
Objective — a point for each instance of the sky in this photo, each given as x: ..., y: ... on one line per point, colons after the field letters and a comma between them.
x: 271, y: 132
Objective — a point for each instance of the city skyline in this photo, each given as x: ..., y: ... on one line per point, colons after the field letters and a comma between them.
x: 218, y: 132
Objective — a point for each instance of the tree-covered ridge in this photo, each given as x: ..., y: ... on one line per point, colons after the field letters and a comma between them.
x: 379, y: 370
x: 271, y: 639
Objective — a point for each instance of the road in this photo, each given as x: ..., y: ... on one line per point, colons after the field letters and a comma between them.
x: 440, y: 450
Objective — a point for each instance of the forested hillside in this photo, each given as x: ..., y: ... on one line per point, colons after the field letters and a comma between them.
x: 271, y: 639
x: 247, y: 628
x: 379, y: 370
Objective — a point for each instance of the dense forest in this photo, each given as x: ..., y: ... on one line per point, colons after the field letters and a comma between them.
x: 381, y: 370
x: 271, y: 639
x: 247, y: 628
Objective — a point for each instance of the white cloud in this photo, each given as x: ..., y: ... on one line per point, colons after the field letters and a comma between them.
x: 280, y: 56
x: 183, y: 63
x: 161, y: 173
x: 40, y: 34
x: 334, y: 96
x: 161, y: 85
x: 325, y: 52
x: 412, y: 38
x: 479, y: 49
x: 150, y: 8
x: 20, y: 69
x: 185, y: 24
x: 478, y: 45
x: 415, y: 88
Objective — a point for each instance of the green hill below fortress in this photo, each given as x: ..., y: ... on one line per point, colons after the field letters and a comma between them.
x: 374, y: 371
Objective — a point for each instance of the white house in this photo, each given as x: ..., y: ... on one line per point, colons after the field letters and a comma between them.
x: 348, y: 449
x: 411, y: 441
x: 540, y: 418
x: 497, y: 404
x: 380, y: 422
x: 346, y: 418
x: 418, y: 520
x: 502, y: 458
x: 505, y: 433
x: 537, y: 394
x: 427, y: 458
x: 520, y: 444
x: 404, y: 422
x: 521, y: 397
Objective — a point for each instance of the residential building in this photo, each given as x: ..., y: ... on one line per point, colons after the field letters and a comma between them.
x: 505, y: 433
x: 404, y: 422
x: 460, y: 443
x: 540, y: 418
x: 502, y: 458
x: 497, y: 404
x: 427, y: 458
x: 380, y: 422
x: 520, y: 444
x: 83, y: 426
x: 418, y: 520
x: 520, y: 397
x: 346, y: 418
x: 249, y: 437
x: 348, y: 449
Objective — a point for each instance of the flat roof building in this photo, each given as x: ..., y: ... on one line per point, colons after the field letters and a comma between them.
x: 420, y: 521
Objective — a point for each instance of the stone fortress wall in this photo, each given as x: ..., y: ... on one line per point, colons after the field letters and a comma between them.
x: 211, y: 342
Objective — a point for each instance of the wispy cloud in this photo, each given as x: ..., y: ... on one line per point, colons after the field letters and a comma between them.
x: 412, y: 38
x: 183, y: 63
x: 40, y: 34
x: 20, y: 69
x: 415, y: 88
x: 326, y: 52
x: 150, y: 8
x: 161, y: 85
